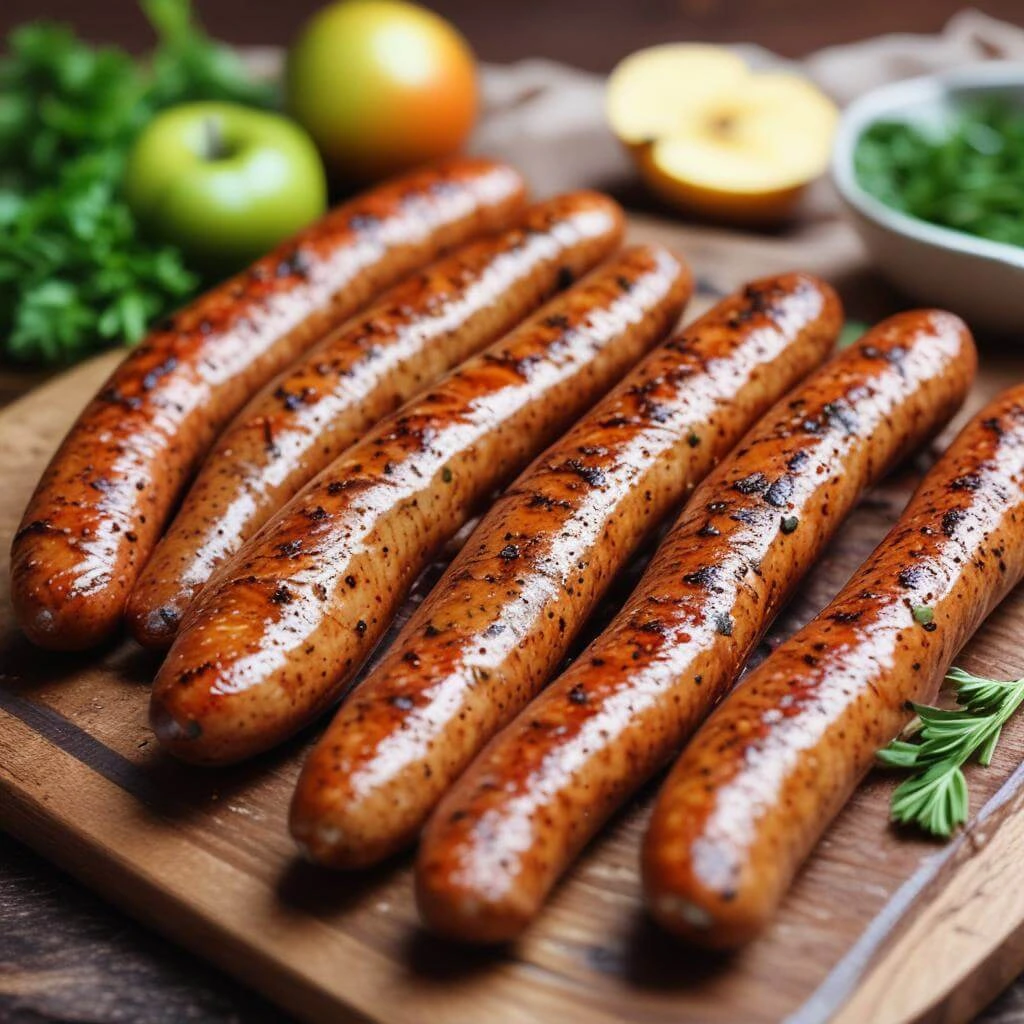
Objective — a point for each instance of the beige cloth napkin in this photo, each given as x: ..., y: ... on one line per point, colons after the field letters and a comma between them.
x: 548, y: 119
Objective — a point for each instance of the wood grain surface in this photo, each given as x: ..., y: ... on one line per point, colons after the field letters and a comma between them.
x: 907, y: 926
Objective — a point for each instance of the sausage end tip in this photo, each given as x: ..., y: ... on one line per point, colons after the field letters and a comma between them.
x: 169, y: 730
x: 156, y: 627
x: 55, y: 631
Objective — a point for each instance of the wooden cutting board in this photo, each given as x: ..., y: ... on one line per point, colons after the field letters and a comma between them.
x: 880, y: 927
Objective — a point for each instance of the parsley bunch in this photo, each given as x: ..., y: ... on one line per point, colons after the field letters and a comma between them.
x: 75, y: 272
x: 969, y: 177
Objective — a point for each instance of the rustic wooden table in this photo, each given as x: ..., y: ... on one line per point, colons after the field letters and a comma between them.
x: 64, y: 954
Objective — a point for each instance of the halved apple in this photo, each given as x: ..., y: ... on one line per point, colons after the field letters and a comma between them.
x: 713, y: 137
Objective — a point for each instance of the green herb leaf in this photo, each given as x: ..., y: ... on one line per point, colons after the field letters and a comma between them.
x: 188, y: 65
x: 923, y: 614
x: 852, y: 330
x: 935, y: 798
x: 967, y: 175
x: 75, y: 272
x: 936, y: 801
x: 899, y: 754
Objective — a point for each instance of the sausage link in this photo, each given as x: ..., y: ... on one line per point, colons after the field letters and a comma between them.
x: 310, y: 414
x: 768, y: 772
x: 524, y: 809
x: 282, y: 627
x: 502, y: 618
x: 106, y: 495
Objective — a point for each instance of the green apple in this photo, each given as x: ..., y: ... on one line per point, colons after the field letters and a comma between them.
x: 223, y: 182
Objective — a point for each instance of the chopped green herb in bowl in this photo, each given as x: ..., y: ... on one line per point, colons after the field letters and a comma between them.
x: 968, y: 176
x: 930, y: 171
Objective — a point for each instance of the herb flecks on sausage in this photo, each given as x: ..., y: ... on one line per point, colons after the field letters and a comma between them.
x: 498, y: 626
x: 815, y: 712
x: 530, y: 802
x: 388, y: 511
x: 361, y: 372
x: 155, y: 418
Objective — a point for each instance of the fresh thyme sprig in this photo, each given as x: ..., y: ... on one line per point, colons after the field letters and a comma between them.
x: 935, y: 797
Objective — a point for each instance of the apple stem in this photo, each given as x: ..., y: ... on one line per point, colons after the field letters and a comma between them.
x: 215, y: 148
x: 723, y: 125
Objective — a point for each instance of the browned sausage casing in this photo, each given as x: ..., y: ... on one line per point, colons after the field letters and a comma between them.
x: 309, y: 415
x: 281, y: 627
x: 502, y: 618
x: 773, y: 766
x: 524, y: 809
x: 106, y: 495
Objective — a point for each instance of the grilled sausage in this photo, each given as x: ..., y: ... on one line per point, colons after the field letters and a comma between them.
x: 281, y: 627
x: 310, y: 414
x: 502, y: 618
x: 511, y: 825
x: 107, y: 493
x: 763, y: 778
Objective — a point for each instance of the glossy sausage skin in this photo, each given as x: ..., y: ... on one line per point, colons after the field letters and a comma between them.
x: 106, y: 495
x: 281, y: 628
x: 310, y: 414
x: 759, y: 784
x: 500, y: 621
x: 524, y: 809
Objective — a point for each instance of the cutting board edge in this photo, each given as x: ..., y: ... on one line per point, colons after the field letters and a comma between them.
x: 932, y: 896
x: 26, y: 816
x: 861, y: 983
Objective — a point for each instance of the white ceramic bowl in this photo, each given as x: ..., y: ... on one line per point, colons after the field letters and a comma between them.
x: 981, y: 280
